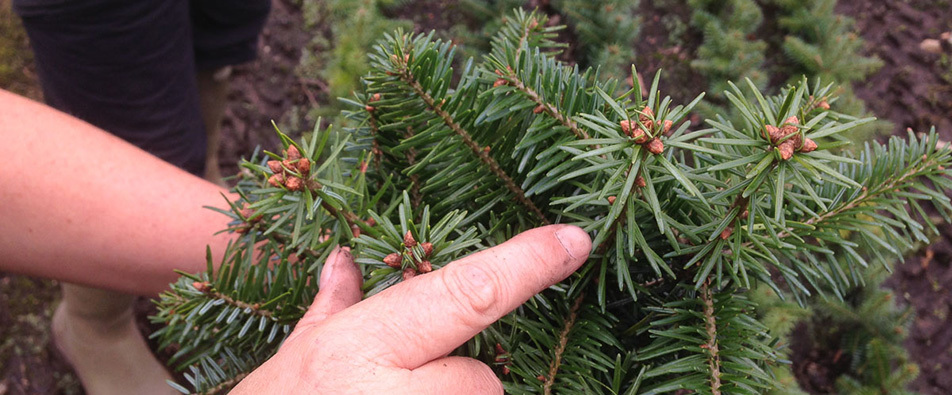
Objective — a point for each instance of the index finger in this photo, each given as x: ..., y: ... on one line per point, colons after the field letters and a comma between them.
x: 428, y: 316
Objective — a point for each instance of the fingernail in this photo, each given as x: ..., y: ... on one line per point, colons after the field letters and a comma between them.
x: 329, y: 266
x: 575, y: 241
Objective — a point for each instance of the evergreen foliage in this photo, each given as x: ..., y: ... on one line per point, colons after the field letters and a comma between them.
x: 684, y: 221
x: 728, y: 53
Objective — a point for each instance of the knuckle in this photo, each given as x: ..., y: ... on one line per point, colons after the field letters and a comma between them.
x: 475, y: 291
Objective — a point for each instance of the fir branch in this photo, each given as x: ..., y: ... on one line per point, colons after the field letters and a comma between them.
x: 414, y: 178
x: 563, y: 341
x: 480, y: 152
x: 253, y: 307
x: 891, y: 186
x: 710, y: 325
x: 548, y: 108
x: 224, y: 384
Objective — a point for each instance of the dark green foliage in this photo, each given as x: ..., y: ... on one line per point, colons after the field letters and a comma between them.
x: 684, y: 221
x: 728, y: 52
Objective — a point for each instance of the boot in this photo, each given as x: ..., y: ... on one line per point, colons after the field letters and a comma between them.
x: 213, y: 93
x: 95, y: 331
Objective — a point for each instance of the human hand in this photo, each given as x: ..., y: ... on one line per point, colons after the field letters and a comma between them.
x: 396, y: 341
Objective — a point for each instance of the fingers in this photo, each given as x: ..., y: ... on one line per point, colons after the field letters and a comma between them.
x: 430, y: 315
x: 339, y: 287
x: 454, y: 375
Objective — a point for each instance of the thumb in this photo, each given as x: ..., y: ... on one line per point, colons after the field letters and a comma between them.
x: 339, y: 287
x: 455, y: 375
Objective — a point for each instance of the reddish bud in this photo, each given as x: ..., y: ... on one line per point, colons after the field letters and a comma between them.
x: 655, y: 146
x: 500, y: 82
x: 375, y: 97
x: 276, y: 180
x: 427, y: 249
x: 294, y: 184
x: 275, y: 166
x: 646, y: 115
x: 393, y: 260
x: 370, y: 222
x: 824, y: 105
x: 727, y: 232
x: 369, y: 108
x: 533, y: 24
x: 304, y: 166
x: 640, y: 182
x: 425, y: 266
x: 201, y: 286
x: 611, y: 200
x: 745, y: 214
x: 505, y: 369
x: 409, y: 273
x: 408, y: 240
x: 627, y: 126
x: 540, y: 377
x: 667, y: 127
x: 363, y: 167
x: 808, y: 146
x: 499, y: 349
x: 355, y: 230
x: 786, y: 149
x: 293, y: 153
x: 537, y: 110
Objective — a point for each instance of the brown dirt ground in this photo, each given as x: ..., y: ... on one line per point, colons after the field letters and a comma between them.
x: 912, y: 90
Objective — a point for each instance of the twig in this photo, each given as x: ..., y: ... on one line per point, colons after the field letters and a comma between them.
x: 489, y: 161
x: 563, y: 341
x: 710, y: 324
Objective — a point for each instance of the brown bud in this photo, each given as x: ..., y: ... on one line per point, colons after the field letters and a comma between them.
x: 370, y: 222
x: 540, y: 377
x: 499, y: 72
x: 355, y: 230
x: 771, y: 133
x: 486, y: 149
x: 745, y: 214
x: 294, y: 184
x: 304, y: 166
x: 786, y: 149
x: 499, y: 349
x: 375, y: 97
x: 824, y: 105
x: 293, y: 153
x: 288, y: 164
x: 537, y: 109
x: 611, y: 199
x: 655, y: 146
x: 409, y: 273
x: 369, y: 108
x: 627, y: 126
x: 425, y: 266
x: 727, y: 232
x: 276, y: 180
x: 808, y: 145
x: 275, y: 166
x: 427, y: 249
x: 313, y: 185
x: 408, y: 240
x: 667, y: 127
x: 640, y: 182
x: 500, y: 82
x: 505, y: 369
x: 646, y: 116
x: 393, y: 260
x: 638, y: 135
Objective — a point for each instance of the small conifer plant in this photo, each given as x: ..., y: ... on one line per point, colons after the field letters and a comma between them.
x: 685, y: 219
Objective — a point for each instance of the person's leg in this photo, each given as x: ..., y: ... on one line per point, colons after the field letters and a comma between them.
x: 225, y: 33
x: 128, y: 68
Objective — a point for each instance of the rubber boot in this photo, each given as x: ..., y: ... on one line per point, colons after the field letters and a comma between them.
x: 95, y: 331
x: 213, y: 95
